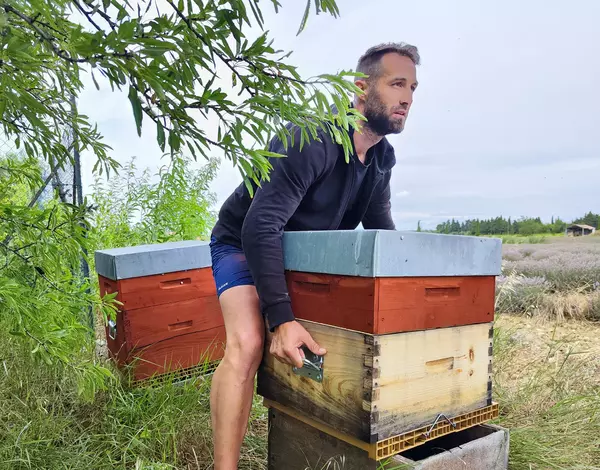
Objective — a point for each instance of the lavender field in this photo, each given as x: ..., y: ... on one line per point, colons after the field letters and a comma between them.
x: 559, y: 278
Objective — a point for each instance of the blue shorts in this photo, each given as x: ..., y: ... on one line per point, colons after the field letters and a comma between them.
x: 229, y: 266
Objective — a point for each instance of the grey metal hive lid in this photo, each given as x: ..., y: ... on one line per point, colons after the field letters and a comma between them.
x: 385, y: 253
x: 148, y: 260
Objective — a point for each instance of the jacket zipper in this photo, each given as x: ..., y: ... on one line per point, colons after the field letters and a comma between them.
x: 366, y: 203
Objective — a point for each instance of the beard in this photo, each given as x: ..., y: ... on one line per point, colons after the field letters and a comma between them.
x: 378, y: 117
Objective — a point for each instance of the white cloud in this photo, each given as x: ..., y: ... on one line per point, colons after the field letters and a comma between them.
x: 403, y: 193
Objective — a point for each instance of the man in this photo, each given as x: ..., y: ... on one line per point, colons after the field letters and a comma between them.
x: 310, y: 189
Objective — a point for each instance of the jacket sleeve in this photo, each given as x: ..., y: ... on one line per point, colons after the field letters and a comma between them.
x: 272, y: 206
x: 379, y: 212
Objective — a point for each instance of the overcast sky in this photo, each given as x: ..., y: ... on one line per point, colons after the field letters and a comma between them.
x: 505, y: 120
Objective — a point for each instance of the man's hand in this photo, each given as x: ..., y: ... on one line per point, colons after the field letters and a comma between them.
x: 287, y: 340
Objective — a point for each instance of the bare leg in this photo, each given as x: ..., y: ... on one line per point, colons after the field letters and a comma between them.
x: 233, y: 381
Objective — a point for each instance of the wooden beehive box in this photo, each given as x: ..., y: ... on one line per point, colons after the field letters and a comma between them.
x: 170, y: 320
x: 375, y: 387
x: 386, y: 282
x: 389, y: 370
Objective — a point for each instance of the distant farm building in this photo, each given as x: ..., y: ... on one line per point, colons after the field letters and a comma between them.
x: 578, y: 230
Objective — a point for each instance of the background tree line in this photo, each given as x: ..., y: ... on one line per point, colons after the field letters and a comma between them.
x: 521, y: 226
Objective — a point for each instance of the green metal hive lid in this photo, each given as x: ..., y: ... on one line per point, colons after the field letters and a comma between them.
x: 385, y: 253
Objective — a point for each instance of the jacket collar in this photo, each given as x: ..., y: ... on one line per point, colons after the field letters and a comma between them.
x: 384, y: 158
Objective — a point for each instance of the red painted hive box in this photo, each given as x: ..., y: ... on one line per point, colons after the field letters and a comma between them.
x: 170, y: 320
x: 381, y: 282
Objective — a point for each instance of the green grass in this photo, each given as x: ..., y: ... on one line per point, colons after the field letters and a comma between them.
x: 551, y: 408
x: 44, y: 425
x: 550, y: 403
x: 527, y: 239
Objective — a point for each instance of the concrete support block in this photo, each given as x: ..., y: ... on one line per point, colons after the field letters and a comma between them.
x: 483, y: 447
x: 295, y: 445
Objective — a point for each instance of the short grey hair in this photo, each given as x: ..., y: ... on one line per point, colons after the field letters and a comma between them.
x: 369, y: 63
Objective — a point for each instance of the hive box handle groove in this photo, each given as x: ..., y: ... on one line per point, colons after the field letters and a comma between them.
x: 313, y: 287
x: 442, y: 291
x: 175, y: 283
x: 183, y: 325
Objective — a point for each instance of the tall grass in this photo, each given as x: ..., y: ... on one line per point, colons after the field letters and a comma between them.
x: 550, y: 402
x: 45, y: 425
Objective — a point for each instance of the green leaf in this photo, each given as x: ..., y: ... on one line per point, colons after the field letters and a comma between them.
x: 174, y: 141
x: 136, y: 105
x: 191, y: 147
x: 2, y: 106
x: 94, y: 80
x: 304, y: 18
x: 160, y: 135
x: 249, y: 186
x: 257, y: 13
x: 158, y: 45
x: 267, y: 153
x: 122, y: 11
x: 127, y: 29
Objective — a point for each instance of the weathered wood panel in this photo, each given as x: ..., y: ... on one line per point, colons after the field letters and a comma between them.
x: 419, y: 375
x: 378, y: 386
x: 294, y: 445
x: 338, y: 400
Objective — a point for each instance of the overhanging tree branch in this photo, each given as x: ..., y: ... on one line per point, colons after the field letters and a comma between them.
x: 87, y: 14
x: 60, y: 52
x: 225, y: 60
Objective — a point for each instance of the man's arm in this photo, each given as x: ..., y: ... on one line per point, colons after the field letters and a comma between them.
x: 379, y: 212
x: 271, y: 208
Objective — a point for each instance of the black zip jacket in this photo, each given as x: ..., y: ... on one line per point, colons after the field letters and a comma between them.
x: 309, y: 189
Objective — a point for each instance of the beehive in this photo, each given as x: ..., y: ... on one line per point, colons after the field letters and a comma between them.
x: 387, y: 282
x: 407, y: 321
x: 170, y: 320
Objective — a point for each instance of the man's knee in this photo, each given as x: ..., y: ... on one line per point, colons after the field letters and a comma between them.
x: 244, y: 351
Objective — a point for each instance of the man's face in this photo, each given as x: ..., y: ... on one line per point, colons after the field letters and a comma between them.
x: 387, y: 99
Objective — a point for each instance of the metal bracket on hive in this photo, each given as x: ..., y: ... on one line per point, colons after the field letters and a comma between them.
x: 313, y: 366
x: 112, y: 329
x: 440, y: 416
